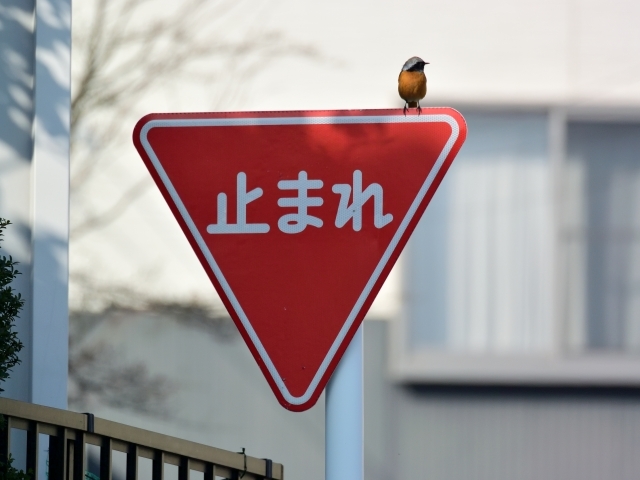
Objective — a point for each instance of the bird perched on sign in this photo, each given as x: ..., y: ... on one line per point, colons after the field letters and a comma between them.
x: 412, y: 83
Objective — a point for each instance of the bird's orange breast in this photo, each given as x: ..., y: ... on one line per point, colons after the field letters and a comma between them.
x: 412, y: 86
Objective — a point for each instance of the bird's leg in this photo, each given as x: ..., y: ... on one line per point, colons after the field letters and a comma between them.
x: 419, y: 108
x: 404, y: 110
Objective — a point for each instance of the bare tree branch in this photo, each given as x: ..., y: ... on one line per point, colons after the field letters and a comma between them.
x: 95, y: 374
x: 111, y: 214
x: 122, y: 59
x: 119, y: 59
x: 101, y: 300
x: 98, y: 372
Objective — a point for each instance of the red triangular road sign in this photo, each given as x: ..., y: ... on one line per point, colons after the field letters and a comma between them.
x: 298, y: 217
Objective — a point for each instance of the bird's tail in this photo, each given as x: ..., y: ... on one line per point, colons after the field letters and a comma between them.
x: 412, y: 104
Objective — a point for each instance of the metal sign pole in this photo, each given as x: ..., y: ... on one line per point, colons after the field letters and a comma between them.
x: 344, y: 416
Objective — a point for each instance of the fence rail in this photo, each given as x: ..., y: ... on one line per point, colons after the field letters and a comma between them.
x: 70, y: 433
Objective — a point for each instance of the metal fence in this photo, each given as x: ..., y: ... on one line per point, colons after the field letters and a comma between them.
x: 70, y: 434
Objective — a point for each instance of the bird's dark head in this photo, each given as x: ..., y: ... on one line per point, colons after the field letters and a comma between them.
x: 414, y: 64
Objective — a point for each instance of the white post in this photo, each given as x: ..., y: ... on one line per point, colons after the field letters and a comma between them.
x: 344, y: 416
x: 50, y: 203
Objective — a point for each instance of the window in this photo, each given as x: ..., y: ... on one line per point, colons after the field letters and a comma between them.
x: 602, y: 237
x: 526, y: 264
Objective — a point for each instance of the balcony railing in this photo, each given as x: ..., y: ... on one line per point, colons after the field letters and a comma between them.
x: 70, y: 433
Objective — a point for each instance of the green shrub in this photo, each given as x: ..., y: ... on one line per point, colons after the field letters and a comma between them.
x: 8, y: 472
x: 10, y: 345
x: 10, y: 305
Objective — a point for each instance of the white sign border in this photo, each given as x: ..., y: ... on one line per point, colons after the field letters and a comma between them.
x: 321, y: 120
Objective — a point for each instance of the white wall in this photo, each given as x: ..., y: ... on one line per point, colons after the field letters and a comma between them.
x: 492, y: 52
x: 486, y: 51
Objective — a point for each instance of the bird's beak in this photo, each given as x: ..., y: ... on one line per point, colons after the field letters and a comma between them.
x: 426, y: 63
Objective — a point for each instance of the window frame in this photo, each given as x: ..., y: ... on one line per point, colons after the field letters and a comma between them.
x: 561, y: 367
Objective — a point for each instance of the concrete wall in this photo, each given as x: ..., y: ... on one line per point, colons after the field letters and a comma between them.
x: 431, y: 432
x: 219, y: 397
